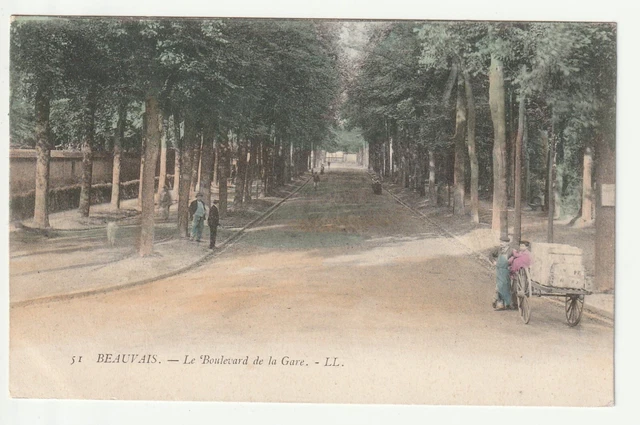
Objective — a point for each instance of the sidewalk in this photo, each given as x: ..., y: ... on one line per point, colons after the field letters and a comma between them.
x: 72, y: 258
x: 480, y: 240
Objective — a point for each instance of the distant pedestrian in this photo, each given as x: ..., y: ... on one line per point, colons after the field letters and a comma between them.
x: 112, y: 231
x: 329, y: 164
x: 165, y: 202
x: 234, y: 172
x: 198, y: 211
x: 316, y: 179
x: 322, y: 169
x: 213, y: 221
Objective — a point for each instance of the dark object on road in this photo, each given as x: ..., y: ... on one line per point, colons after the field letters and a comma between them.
x: 377, y: 187
x: 316, y: 179
x: 536, y: 203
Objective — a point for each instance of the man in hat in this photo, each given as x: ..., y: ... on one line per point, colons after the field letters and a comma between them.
x: 213, y: 222
x: 198, y: 211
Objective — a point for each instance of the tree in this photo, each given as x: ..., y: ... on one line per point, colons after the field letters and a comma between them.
x: 496, y: 101
x: 153, y: 130
x: 87, y: 72
x: 38, y: 51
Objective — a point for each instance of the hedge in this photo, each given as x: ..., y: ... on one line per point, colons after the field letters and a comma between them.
x: 66, y: 198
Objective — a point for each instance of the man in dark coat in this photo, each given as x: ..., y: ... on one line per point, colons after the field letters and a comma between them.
x: 214, y: 222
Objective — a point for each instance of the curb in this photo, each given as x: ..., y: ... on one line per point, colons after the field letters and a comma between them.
x: 484, y: 262
x: 209, y: 255
x: 589, y: 311
x: 46, y: 231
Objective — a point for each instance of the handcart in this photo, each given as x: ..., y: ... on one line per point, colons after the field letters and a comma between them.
x: 556, y: 271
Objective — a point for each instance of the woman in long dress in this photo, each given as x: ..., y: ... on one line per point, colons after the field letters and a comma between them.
x: 502, y: 299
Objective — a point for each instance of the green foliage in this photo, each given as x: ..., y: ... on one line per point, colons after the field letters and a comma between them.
x: 282, y: 78
x: 566, y: 71
x: 348, y: 141
x: 250, y: 76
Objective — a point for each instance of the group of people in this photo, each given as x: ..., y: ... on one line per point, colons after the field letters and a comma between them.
x: 508, y: 264
x: 197, y: 213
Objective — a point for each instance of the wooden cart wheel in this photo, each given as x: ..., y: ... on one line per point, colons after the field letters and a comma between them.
x: 522, y: 297
x: 573, y: 305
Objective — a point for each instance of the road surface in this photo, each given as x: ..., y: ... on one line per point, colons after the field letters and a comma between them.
x: 341, y: 296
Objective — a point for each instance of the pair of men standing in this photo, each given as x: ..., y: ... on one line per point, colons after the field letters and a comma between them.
x: 198, y: 211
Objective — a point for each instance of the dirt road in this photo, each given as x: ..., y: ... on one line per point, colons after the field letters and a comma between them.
x: 353, y: 297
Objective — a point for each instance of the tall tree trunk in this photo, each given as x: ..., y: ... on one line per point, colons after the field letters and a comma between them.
x: 216, y: 163
x: 496, y: 103
x: 162, y: 177
x: 224, y: 150
x: 544, y: 136
x: 433, y: 194
x: 241, y: 173
x: 471, y: 145
x: 208, y: 141
x: 197, y: 153
x: 186, y: 156
x: 511, y: 143
x: 459, y: 138
x: 605, y: 210
x: 143, y: 145
x: 387, y: 157
x: 276, y: 163
x: 89, y: 120
x: 587, y: 191
x: 177, y: 164
x: 283, y: 150
x: 117, y: 153
x: 517, y: 223
x: 558, y: 184
x: 145, y: 245
x: 527, y: 164
x: 266, y: 166
x: 177, y: 161
x: 552, y: 186
x: 287, y: 153
x: 43, y: 154
x: 259, y: 167
x: 605, y: 175
x: 251, y: 169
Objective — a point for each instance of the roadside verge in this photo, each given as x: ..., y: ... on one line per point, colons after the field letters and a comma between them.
x: 35, y: 280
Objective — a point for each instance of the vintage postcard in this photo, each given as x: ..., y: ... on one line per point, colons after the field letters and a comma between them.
x: 326, y: 211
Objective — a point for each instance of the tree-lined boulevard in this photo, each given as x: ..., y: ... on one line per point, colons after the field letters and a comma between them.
x: 321, y: 290
x: 334, y: 272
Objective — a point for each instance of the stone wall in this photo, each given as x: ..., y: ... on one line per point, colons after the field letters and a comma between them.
x: 66, y: 169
